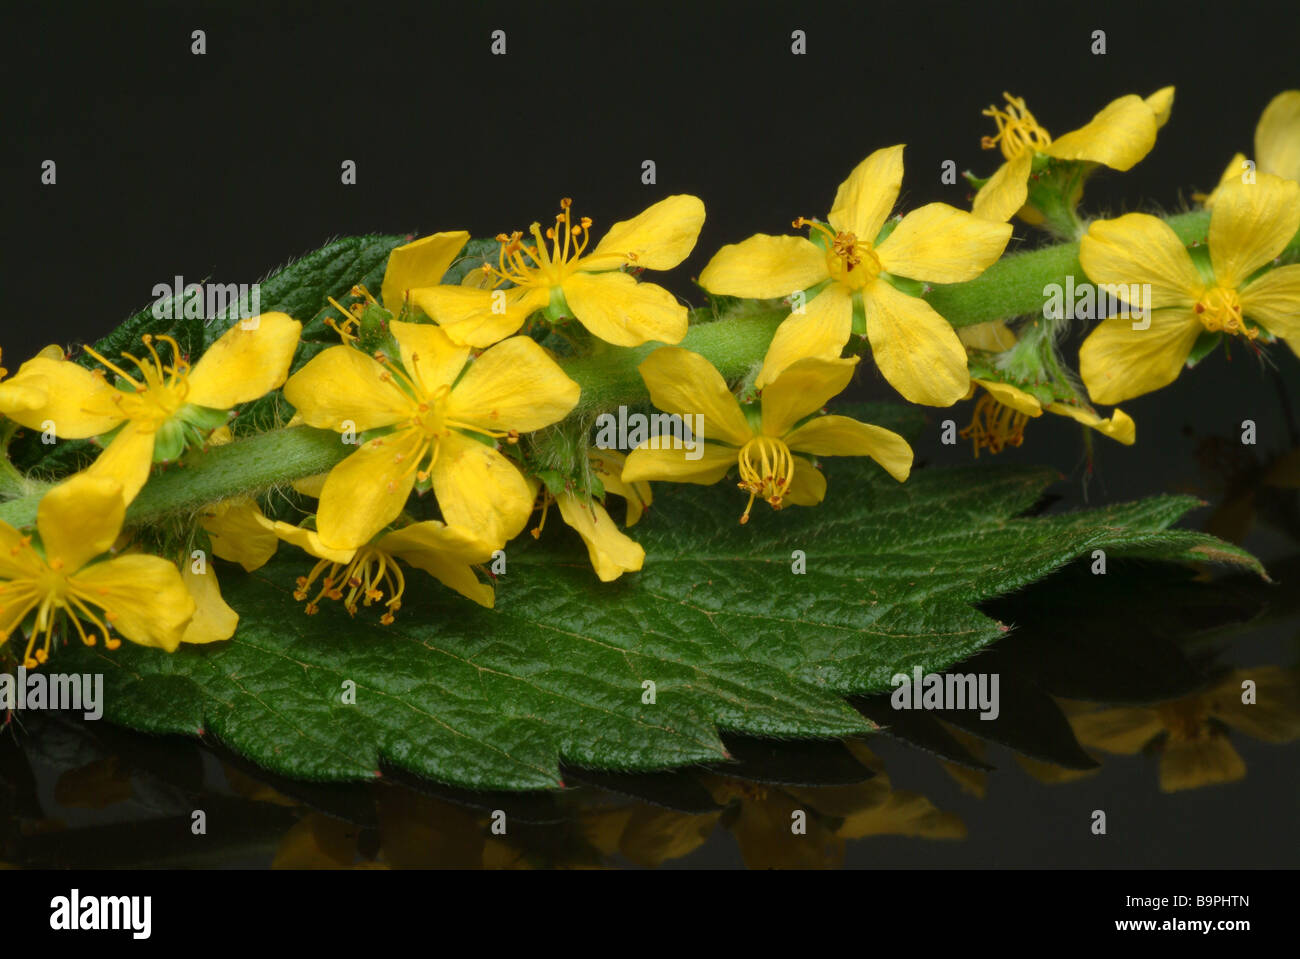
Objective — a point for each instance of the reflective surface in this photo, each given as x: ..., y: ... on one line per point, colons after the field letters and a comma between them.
x: 1120, y: 694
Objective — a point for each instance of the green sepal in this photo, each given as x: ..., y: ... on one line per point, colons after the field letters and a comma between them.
x: 557, y: 310
x: 169, y: 442
x: 890, y: 225
x: 203, y: 417
x: 1205, y: 345
x: 373, y: 334
x: 553, y: 480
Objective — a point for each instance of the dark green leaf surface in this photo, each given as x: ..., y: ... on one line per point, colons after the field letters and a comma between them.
x: 717, y: 620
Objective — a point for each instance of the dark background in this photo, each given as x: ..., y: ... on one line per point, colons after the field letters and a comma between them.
x: 227, y: 164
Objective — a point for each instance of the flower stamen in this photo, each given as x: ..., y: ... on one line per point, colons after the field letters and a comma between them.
x: 1018, y: 131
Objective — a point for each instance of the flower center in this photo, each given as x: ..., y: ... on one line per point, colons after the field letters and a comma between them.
x: 161, y: 388
x: 1186, y: 719
x: 766, y: 470
x: 849, y: 260
x: 1018, y: 131
x: 55, y: 597
x: 364, y: 579
x: 1219, y: 309
x: 995, y: 426
x: 540, y: 264
x: 421, y: 438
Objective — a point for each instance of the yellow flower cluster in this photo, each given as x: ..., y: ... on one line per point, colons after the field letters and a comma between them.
x: 449, y: 388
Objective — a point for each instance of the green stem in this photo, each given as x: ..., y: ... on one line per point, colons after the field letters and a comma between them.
x: 735, y: 344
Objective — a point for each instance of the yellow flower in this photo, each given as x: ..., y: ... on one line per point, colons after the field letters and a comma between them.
x: 611, y: 304
x: 239, y: 532
x: 763, y: 441
x: 1250, y: 225
x: 916, y: 349
x: 54, y: 575
x: 1194, y: 750
x: 368, y: 574
x: 1277, y: 144
x: 611, y: 551
x: 165, y: 406
x: 438, y: 418
x: 1118, y: 137
x: 1002, y: 412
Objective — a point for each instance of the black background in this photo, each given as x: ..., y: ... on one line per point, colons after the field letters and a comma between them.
x: 226, y: 165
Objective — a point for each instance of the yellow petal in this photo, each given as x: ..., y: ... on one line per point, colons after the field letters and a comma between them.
x: 803, y: 388
x: 309, y: 542
x: 1250, y: 225
x: 249, y: 360
x: 611, y: 551
x: 992, y: 337
x: 1274, y: 302
x: 820, y: 332
x: 808, y: 487
x: 938, y: 243
x: 658, y: 238
x: 619, y: 310
x: 480, y: 490
x: 842, y: 436
x: 1211, y: 761
x: 514, y: 385
x: 1118, y: 136
x: 20, y: 600
x: 608, y: 465
x: 863, y: 201
x: 647, y: 463
x: 1237, y: 167
x: 20, y: 399
x: 1118, y: 426
x: 341, y: 385
x: 310, y: 485
x: 17, y: 560
x: 765, y: 266
x: 213, y: 620
x: 1277, y: 138
x: 1123, y: 730
x: 240, y: 533
x: 367, y: 491
x: 1010, y: 396
x: 446, y: 553
x: 686, y: 383
x: 1118, y: 362
x: 915, y: 348
x: 478, y: 317
x: 1161, y: 104
x: 79, y: 520
x: 428, y: 354
x: 418, y: 264
x: 78, y: 403
x: 127, y: 460
x: 145, y: 595
x: 1139, y: 249
x: 1275, y: 716
x: 1006, y: 190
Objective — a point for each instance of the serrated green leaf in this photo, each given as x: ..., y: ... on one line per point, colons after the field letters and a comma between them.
x: 731, y: 637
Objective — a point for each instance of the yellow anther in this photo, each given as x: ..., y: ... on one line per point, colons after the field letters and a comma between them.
x: 1018, y: 131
